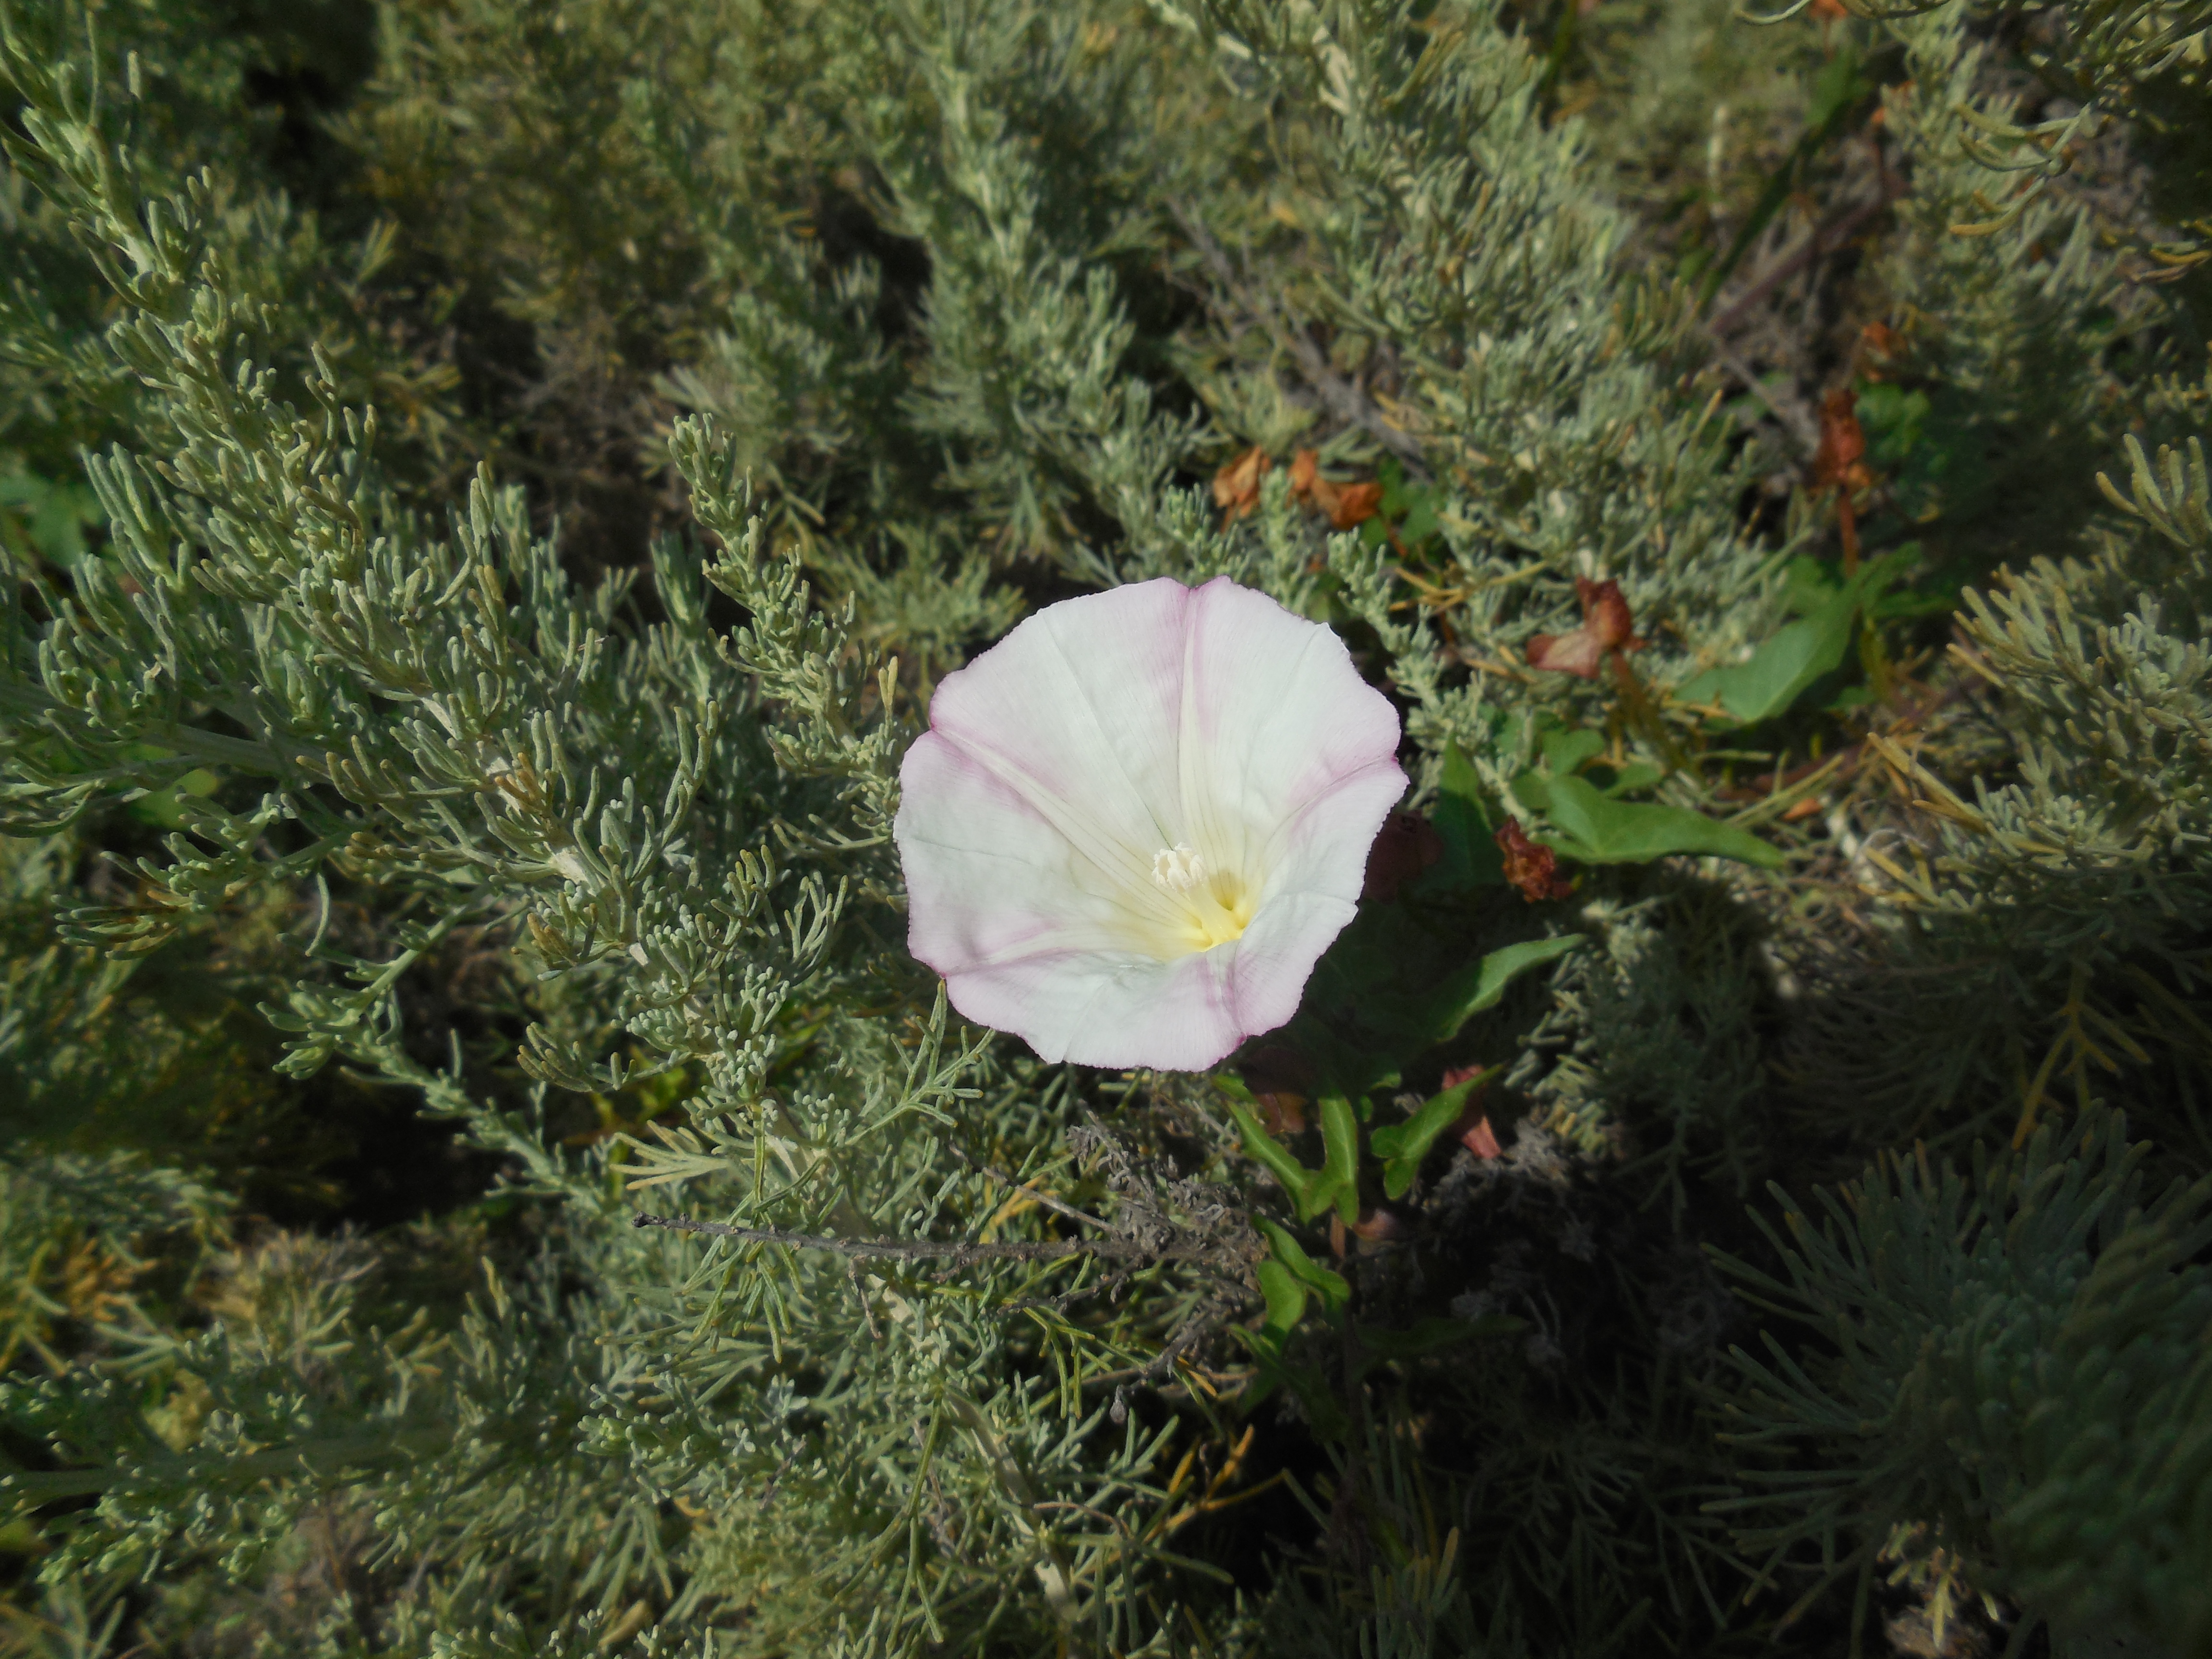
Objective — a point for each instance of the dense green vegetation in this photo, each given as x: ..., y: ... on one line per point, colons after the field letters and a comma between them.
x: 487, y: 489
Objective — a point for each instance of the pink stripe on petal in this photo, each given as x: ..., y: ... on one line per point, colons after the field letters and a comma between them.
x: 1098, y: 1009
x: 1276, y: 956
x: 1098, y: 733
x: 984, y: 869
x: 1322, y: 846
x: 1081, y: 697
x: 1282, y: 702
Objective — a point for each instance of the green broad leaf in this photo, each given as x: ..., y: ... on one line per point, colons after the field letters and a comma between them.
x: 1438, y: 1016
x: 1398, y: 1174
x: 1586, y: 825
x: 1311, y: 1191
x: 1466, y: 827
x: 1272, y: 1155
x: 51, y: 517
x: 1781, y: 669
x: 1321, y: 1281
x: 1640, y: 775
x: 1339, y: 1180
x: 1411, y: 508
x: 1566, y: 748
x: 1404, y: 1145
x: 1285, y: 1294
x: 1421, y: 518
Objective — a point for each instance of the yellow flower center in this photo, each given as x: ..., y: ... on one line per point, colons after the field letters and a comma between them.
x: 1213, y: 905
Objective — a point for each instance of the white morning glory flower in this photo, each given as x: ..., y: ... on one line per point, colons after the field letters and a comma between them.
x: 1136, y: 822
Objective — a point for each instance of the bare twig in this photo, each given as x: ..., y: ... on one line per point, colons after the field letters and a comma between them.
x: 1825, y: 240
x: 860, y: 1295
x: 1346, y: 401
x: 1162, y: 1362
x: 1058, y: 1207
x: 1795, y: 417
x: 768, y: 1492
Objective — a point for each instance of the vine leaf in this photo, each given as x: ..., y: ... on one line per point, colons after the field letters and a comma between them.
x: 1478, y: 985
x: 1583, y: 823
x: 1803, y: 652
x: 1403, y: 1145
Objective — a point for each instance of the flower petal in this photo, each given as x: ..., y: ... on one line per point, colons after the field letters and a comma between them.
x: 1275, y: 718
x: 1098, y: 734
x: 989, y: 877
x: 1318, y: 864
x: 1078, y: 709
x: 1109, y: 1008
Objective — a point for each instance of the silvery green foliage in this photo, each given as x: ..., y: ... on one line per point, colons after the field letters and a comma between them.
x: 2131, y: 64
x: 185, y: 79
x: 2017, y: 1368
x: 954, y: 306
x: 2017, y: 322
x: 2071, y: 888
x: 442, y: 714
x: 2105, y: 662
x: 681, y: 819
x: 1660, y: 1030
x: 2026, y: 334
x: 1436, y: 227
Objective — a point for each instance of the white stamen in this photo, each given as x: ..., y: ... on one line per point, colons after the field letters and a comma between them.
x: 1177, y: 868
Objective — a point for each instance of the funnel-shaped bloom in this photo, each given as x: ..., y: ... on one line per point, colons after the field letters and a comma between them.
x: 1137, y: 821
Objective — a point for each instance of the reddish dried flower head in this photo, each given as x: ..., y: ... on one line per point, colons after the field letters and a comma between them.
x: 1237, y: 486
x: 1608, y: 626
x: 1355, y: 504
x: 1841, y: 466
x: 1842, y: 456
x: 1346, y: 504
x: 1530, y: 866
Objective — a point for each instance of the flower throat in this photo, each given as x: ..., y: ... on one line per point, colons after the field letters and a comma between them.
x: 1216, y: 906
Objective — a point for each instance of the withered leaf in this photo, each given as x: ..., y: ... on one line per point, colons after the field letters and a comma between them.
x: 1377, y: 1225
x: 1237, y: 486
x: 1608, y: 625
x: 1280, y: 1113
x: 1482, y: 1140
x: 1472, y: 1127
x: 1347, y: 505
